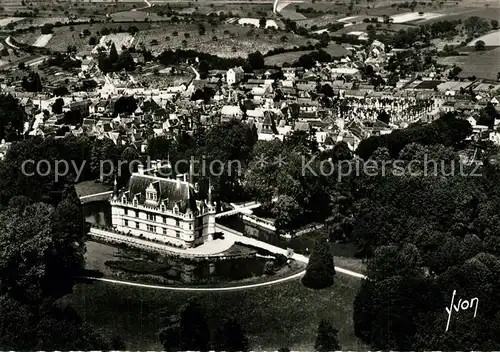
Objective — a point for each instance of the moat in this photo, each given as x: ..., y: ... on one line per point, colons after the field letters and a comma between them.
x: 239, y: 262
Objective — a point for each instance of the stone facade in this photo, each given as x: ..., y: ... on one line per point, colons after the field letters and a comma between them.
x: 163, y: 209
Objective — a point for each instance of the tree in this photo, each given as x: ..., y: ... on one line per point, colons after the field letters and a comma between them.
x: 384, y: 117
x: 231, y: 337
x: 327, y: 90
x: 320, y: 270
x: 57, y: 107
x: 125, y: 105
x: 287, y: 212
x: 479, y: 45
x: 187, y: 331
x: 125, y: 62
x: 12, y: 118
x: 32, y: 82
x: 113, y: 54
x: 61, y: 91
x: 326, y: 340
x: 93, y: 41
x: 256, y: 60
x: 494, y: 24
x: 262, y: 22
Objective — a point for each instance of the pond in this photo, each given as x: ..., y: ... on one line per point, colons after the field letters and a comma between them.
x: 137, y: 265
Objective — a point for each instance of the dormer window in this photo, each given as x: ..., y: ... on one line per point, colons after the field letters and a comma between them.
x: 124, y: 199
x: 176, y: 209
x: 135, y: 201
x: 163, y: 207
x: 151, y: 193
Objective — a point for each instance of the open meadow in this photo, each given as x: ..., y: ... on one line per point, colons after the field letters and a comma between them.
x: 231, y: 40
x: 490, y: 39
x: 286, y: 314
x: 482, y: 64
x: 279, y: 59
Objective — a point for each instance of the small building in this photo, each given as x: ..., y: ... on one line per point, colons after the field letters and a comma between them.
x: 234, y: 75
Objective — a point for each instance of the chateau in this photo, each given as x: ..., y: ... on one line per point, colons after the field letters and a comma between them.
x: 167, y: 210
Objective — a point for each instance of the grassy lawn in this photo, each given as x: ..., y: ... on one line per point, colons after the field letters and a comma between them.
x: 286, y: 314
x: 290, y: 57
x: 482, y: 64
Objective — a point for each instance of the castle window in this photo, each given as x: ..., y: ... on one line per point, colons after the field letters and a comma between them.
x: 136, y: 225
x: 151, y: 217
x: 164, y: 219
x: 177, y: 222
x: 125, y: 223
x: 165, y: 231
x: 190, y: 226
x: 151, y: 228
x: 177, y: 234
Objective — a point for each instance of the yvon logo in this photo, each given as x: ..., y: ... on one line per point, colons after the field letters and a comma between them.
x: 462, y: 304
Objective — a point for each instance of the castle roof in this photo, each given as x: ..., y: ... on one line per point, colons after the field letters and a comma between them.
x: 170, y: 192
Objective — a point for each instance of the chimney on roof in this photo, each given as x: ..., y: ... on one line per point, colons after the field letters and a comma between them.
x: 191, y: 170
x: 179, y: 179
x: 209, y: 193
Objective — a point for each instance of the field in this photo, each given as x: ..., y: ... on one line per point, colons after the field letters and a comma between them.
x: 320, y: 21
x: 361, y: 27
x: 255, y: 22
x: 286, y: 314
x: 231, y: 40
x: 482, y: 64
x: 65, y: 36
x: 48, y: 8
x: 42, y: 40
x: 280, y: 59
x: 415, y: 17
x: 490, y: 39
x: 118, y: 39
x: 6, y: 21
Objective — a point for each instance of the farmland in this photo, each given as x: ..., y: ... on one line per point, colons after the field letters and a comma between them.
x: 232, y: 40
x: 482, y: 64
x: 279, y: 59
x: 70, y: 35
x: 42, y: 40
x: 490, y: 39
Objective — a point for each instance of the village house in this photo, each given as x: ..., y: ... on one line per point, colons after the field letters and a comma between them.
x: 234, y: 75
